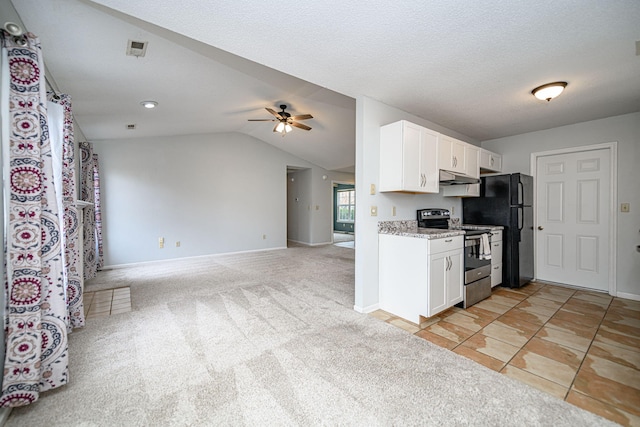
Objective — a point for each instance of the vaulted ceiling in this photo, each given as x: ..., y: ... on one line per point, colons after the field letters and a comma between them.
x: 468, y: 65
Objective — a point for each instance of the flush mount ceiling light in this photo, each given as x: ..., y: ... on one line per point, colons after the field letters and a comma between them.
x: 549, y: 91
x: 149, y: 104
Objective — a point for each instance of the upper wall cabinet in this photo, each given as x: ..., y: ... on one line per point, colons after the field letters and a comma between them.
x: 490, y: 162
x: 451, y: 155
x: 408, y: 158
x: 471, y: 160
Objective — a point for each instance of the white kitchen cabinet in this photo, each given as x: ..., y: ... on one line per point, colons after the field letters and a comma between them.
x: 472, y: 155
x: 419, y: 277
x: 461, y: 190
x: 408, y: 158
x: 496, y: 258
x: 490, y: 162
x: 471, y: 160
x: 451, y: 154
x: 445, y: 280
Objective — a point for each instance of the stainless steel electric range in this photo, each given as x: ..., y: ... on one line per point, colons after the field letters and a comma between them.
x: 477, y: 254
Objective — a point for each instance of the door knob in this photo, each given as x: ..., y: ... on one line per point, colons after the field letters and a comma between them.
x: 540, y: 227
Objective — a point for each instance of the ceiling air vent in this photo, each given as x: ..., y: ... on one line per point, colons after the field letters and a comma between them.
x: 131, y: 127
x: 135, y: 48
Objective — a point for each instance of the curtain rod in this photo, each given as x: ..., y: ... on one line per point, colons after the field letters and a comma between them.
x: 17, y: 32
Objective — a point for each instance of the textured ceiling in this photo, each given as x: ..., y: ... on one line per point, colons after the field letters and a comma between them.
x: 466, y: 65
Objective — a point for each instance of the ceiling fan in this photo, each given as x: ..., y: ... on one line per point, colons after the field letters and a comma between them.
x: 285, y: 120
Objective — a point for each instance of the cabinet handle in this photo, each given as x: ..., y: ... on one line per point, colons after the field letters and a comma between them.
x: 496, y: 267
x: 449, y: 240
x: 491, y: 161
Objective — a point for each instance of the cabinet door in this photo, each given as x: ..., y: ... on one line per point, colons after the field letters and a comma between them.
x: 490, y: 162
x: 455, y: 277
x: 429, y: 172
x: 438, y: 270
x: 472, y: 154
x: 412, y: 142
x: 444, y: 152
x: 458, y: 156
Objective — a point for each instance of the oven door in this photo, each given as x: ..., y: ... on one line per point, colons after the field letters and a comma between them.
x: 475, y: 265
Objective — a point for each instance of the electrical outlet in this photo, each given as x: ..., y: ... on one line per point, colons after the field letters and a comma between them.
x: 264, y: 237
x: 161, y: 242
x: 374, y: 211
x: 317, y: 207
x: 393, y: 211
x: 177, y: 244
x: 625, y: 207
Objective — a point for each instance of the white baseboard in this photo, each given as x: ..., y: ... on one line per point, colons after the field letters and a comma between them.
x: 368, y: 309
x: 137, y: 264
x: 628, y: 296
x: 309, y: 244
x: 4, y: 415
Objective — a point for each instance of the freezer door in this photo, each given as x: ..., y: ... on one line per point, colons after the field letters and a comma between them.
x: 521, y: 190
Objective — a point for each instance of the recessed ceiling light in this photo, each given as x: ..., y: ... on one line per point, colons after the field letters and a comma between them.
x: 549, y: 91
x: 149, y: 104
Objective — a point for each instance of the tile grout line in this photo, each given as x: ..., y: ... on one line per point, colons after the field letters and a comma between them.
x: 587, y: 352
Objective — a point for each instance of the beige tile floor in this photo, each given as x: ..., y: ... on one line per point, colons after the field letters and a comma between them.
x: 107, y: 302
x: 580, y: 346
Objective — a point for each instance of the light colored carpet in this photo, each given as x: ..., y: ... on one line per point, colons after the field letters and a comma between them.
x: 270, y: 338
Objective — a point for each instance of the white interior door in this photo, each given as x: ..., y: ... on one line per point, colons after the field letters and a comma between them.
x: 573, y: 218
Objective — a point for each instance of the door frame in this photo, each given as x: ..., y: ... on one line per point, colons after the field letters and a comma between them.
x: 613, y: 190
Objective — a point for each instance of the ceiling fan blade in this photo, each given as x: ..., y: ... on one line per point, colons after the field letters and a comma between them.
x: 262, y: 120
x: 278, y: 116
x: 300, y: 125
x: 302, y: 117
x: 275, y: 127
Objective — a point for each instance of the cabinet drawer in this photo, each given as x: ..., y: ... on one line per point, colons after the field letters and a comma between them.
x: 496, y: 236
x: 445, y: 244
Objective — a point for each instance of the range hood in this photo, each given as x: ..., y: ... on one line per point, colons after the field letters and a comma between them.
x: 450, y: 178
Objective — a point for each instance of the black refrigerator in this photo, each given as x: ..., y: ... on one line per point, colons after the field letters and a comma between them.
x: 507, y: 200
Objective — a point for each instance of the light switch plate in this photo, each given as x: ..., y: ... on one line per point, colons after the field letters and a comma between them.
x: 625, y: 207
x: 373, y: 189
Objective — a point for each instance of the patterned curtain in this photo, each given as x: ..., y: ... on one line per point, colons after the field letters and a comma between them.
x: 90, y: 192
x: 70, y: 223
x: 98, y: 214
x: 36, y: 357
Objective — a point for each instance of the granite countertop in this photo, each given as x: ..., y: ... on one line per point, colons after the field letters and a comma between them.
x: 409, y: 228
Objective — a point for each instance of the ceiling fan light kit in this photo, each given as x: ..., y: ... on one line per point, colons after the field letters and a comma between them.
x: 286, y: 122
x: 549, y: 91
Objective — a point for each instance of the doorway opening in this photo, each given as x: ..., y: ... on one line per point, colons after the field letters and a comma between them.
x: 344, y: 214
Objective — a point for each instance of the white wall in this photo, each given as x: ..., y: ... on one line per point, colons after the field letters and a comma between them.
x: 625, y: 130
x: 370, y: 115
x: 215, y: 193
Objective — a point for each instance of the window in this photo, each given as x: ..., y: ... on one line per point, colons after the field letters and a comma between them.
x: 346, y: 205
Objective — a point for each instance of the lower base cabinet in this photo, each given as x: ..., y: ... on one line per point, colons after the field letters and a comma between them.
x: 420, y: 277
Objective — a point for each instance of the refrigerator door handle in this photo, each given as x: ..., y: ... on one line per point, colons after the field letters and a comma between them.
x: 520, y: 193
x: 520, y: 218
